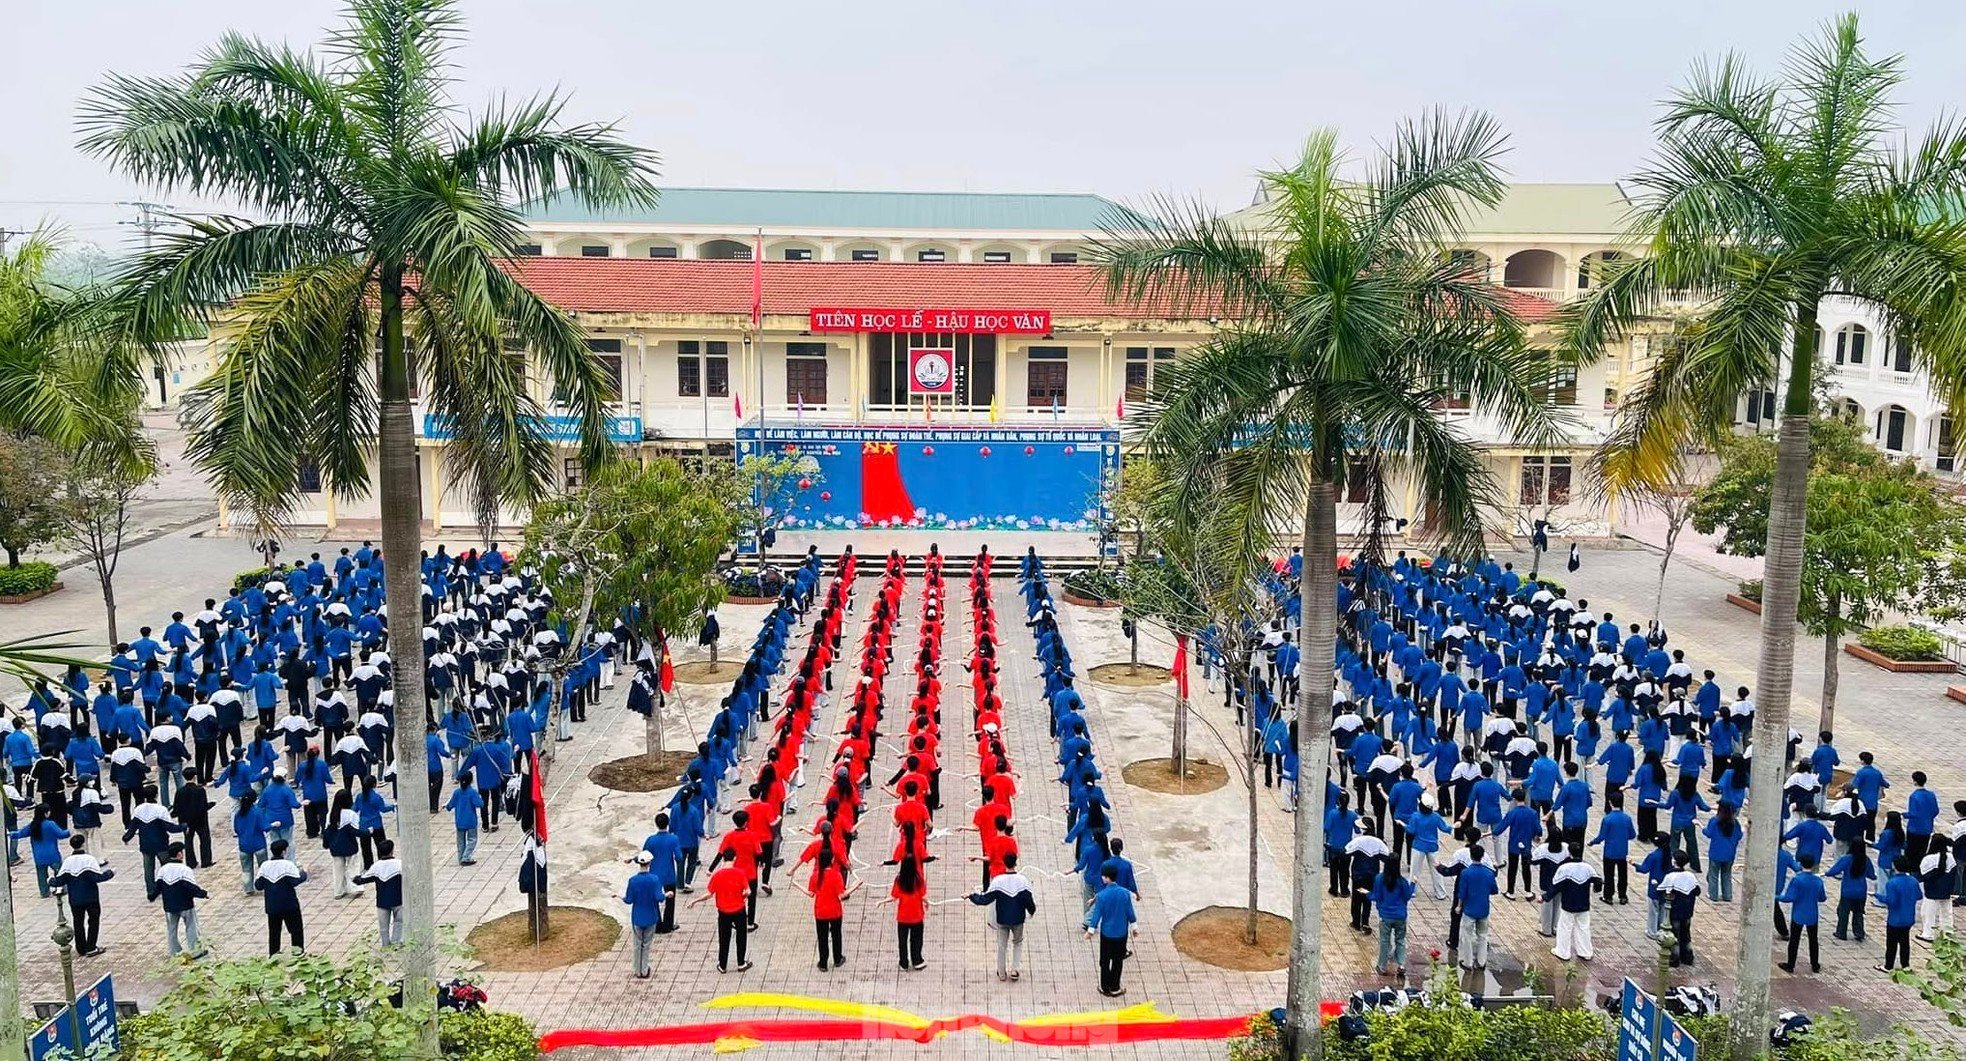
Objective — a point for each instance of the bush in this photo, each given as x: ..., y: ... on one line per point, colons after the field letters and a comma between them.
x: 1454, y: 1032
x: 488, y: 1035
x: 1903, y: 643
x: 1095, y: 584
x: 252, y: 577
x: 30, y: 577
x: 285, y: 1008
x: 1751, y: 589
x: 1550, y: 584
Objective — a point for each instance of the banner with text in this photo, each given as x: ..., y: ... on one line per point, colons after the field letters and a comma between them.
x: 997, y: 321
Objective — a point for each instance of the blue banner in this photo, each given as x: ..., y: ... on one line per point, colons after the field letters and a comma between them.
x: 97, y: 1009
x: 554, y: 428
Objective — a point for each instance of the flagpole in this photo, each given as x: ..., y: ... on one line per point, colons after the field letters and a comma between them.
x: 758, y: 353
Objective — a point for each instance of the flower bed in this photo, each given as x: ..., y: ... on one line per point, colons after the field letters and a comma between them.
x: 1901, y: 650
x: 33, y: 579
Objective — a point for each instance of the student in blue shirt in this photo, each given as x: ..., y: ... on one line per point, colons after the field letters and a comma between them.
x: 1683, y: 807
x: 1111, y: 920
x: 1724, y: 835
x: 1921, y: 811
x: 645, y: 895
x: 1805, y: 895
x: 1656, y: 864
x: 1615, y: 832
x: 1853, y: 892
x: 1810, y: 836
x: 1869, y: 783
x: 1899, y: 899
x: 1518, y: 832
x: 463, y: 805
x: 1424, y: 831
x: 1390, y: 895
x: 1474, y: 889
x: 1890, y: 845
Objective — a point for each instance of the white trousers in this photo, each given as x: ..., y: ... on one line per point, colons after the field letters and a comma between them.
x: 1573, y: 935
x: 1935, y: 917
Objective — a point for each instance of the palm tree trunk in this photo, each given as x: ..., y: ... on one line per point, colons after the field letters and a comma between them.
x: 13, y: 1042
x: 1781, y: 592
x: 401, y: 498
x: 1319, y: 590
x: 1254, y: 747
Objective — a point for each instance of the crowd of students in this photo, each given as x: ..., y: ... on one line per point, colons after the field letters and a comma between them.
x: 1554, y: 752
x: 275, y: 710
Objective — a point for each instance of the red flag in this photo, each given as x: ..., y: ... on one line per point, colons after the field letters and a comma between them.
x: 758, y: 281
x: 668, y: 672
x: 1181, y: 665
x: 737, y: 405
x: 538, y: 799
x: 1119, y: 408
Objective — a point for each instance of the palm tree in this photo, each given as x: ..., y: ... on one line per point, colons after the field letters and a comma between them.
x: 1765, y: 196
x: 1348, y: 328
x: 379, y: 262
x: 69, y: 372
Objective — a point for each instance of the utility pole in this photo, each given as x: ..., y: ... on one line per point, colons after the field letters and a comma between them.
x: 7, y: 234
x: 149, y: 218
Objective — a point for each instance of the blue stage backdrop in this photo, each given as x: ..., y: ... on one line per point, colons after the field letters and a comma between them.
x: 944, y: 477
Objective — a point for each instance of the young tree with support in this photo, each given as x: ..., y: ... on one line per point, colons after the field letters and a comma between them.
x: 94, y: 509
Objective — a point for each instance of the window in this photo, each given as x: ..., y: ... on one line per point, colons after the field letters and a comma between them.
x: 1948, y: 446
x: 526, y: 250
x: 866, y: 254
x: 1851, y: 341
x: 1900, y: 354
x: 572, y: 473
x: 1140, y: 362
x: 805, y: 374
x: 662, y: 252
x: 1893, y: 424
x: 593, y: 250
x: 609, y: 353
x: 1563, y: 386
x: 931, y: 256
x: 975, y: 367
x: 798, y: 254
x: 310, y: 476
x: 701, y: 364
x: 1358, y: 482
x: 1045, y: 374
x: 1064, y: 257
x: 1545, y: 481
x: 996, y: 257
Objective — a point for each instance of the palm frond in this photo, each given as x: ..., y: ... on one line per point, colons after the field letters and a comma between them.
x: 521, y: 154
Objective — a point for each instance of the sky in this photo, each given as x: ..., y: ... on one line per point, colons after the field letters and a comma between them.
x: 1128, y: 100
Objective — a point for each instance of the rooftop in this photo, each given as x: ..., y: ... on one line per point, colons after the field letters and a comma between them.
x: 793, y: 208
x: 1554, y: 210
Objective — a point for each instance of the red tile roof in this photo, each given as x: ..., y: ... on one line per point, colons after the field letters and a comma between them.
x: 656, y: 285
x: 683, y: 285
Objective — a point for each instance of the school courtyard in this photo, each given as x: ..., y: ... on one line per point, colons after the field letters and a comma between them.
x: 1191, y: 850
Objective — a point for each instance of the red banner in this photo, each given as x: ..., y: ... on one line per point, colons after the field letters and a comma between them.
x: 996, y: 321
x: 931, y: 370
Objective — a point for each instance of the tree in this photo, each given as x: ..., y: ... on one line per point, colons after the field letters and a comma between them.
x: 1672, y: 496
x: 382, y: 259
x: 1343, y: 335
x: 94, y: 511
x: 1765, y: 196
x: 1880, y: 536
x: 765, y: 487
x: 68, y: 364
x: 30, y: 492
x: 636, y: 541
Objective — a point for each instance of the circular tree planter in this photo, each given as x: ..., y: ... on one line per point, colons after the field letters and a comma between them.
x: 574, y: 934
x: 734, y: 599
x: 641, y: 773
x: 1215, y: 936
x: 703, y: 672
x: 1089, y: 602
x: 1131, y: 675
x: 23, y: 598
x: 1157, y: 775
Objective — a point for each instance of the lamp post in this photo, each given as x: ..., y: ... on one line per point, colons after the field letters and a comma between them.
x: 64, y: 939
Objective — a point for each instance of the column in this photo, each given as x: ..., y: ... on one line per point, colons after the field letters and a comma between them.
x: 437, y: 488
x: 327, y: 501
x: 1003, y: 374
x: 857, y: 374
x: 618, y: 247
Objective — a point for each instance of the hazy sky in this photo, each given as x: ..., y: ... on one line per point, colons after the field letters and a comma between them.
x: 1123, y: 99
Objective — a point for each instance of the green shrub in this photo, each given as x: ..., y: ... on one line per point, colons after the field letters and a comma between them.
x: 252, y: 577
x: 1904, y: 643
x: 30, y: 577
x: 1095, y: 584
x: 1945, y: 613
x: 1551, y: 584
x: 1751, y: 589
x: 285, y: 1008
x: 738, y: 583
x: 488, y: 1035
x: 1263, y: 1043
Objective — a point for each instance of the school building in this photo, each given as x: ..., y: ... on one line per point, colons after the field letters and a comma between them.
x: 950, y: 359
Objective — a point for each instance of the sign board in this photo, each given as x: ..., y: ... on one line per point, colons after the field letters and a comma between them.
x: 931, y: 370
x: 552, y: 427
x: 966, y: 321
x: 97, y: 1008
x: 1639, y: 1017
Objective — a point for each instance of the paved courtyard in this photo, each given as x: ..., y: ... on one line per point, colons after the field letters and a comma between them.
x: 1191, y: 849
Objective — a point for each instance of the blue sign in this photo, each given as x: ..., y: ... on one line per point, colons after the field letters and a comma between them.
x: 1639, y: 1017
x: 554, y: 428
x: 97, y: 1008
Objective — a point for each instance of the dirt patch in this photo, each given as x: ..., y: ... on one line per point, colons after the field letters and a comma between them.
x: 640, y: 773
x: 1133, y: 675
x: 703, y: 672
x: 1215, y: 935
x: 1158, y: 775
x: 575, y: 934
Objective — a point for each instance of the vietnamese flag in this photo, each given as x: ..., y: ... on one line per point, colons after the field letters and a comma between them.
x: 1181, y: 665
x: 668, y: 671
x: 538, y: 799
x: 883, y: 494
x: 737, y: 405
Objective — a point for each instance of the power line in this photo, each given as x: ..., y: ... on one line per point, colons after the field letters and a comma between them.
x: 147, y: 219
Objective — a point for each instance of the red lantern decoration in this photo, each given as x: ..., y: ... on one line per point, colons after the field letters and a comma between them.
x: 1070, y: 450
x: 825, y: 495
x: 986, y: 451
x: 928, y: 451
x: 1028, y: 450
x: 805, y: 484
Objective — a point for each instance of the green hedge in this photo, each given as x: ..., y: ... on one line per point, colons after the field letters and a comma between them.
x: 489, y: 1035
x: 1751, y: 589
x: 1095, y: 584
x: 30, y: 577
x: 1903, y: 643
x: 252, y: 577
